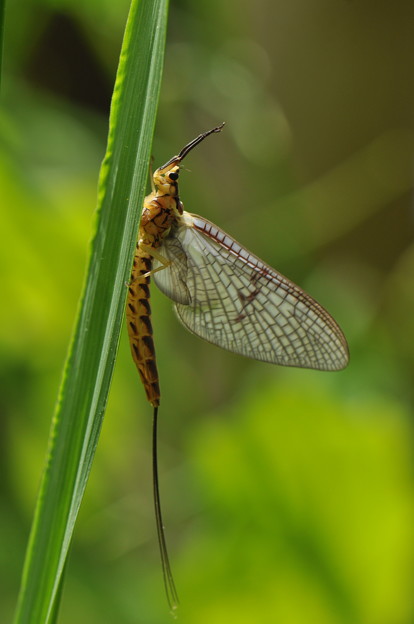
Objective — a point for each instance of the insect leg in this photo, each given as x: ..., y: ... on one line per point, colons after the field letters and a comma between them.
x: 154, y: 253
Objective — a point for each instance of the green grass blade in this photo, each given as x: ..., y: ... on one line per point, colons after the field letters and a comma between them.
x: 83, y: 395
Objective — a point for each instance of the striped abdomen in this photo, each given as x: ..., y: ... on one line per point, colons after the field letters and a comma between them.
x: 138, y: 313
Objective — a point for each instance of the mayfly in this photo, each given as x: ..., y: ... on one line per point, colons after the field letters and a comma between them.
x: 222, y: 293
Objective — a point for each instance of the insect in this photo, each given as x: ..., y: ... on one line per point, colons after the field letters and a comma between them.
x: 222, y: 293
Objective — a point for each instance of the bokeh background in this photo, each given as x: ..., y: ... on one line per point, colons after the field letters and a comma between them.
x: 287, y: 494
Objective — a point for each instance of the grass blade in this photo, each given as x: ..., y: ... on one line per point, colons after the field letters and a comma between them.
x: 84, y: 391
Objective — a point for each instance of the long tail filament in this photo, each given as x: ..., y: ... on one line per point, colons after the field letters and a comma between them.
x: 170, y: 589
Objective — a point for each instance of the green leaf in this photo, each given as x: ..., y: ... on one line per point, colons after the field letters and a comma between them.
x: 84, y: 390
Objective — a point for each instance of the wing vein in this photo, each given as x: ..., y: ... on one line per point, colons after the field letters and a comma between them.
x: 229, y: 297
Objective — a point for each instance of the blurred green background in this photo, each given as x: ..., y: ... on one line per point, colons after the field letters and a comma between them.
x: 287, y: 494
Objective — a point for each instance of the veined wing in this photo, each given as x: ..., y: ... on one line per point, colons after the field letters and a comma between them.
x: 228, y: 296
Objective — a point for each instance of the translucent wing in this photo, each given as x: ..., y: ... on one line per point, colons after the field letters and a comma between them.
x: 229, y: 297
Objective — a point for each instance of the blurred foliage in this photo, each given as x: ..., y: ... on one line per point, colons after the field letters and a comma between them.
x: 287, y: 494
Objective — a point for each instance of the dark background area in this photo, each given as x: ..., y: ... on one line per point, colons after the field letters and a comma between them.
x: 287, y: 493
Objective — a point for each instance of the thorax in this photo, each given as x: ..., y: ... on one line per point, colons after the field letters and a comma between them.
x: 159, y: 214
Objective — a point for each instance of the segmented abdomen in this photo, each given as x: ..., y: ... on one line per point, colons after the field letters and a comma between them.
x: 138, y: 313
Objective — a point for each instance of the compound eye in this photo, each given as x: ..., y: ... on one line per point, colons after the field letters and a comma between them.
x: 173, y: 175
